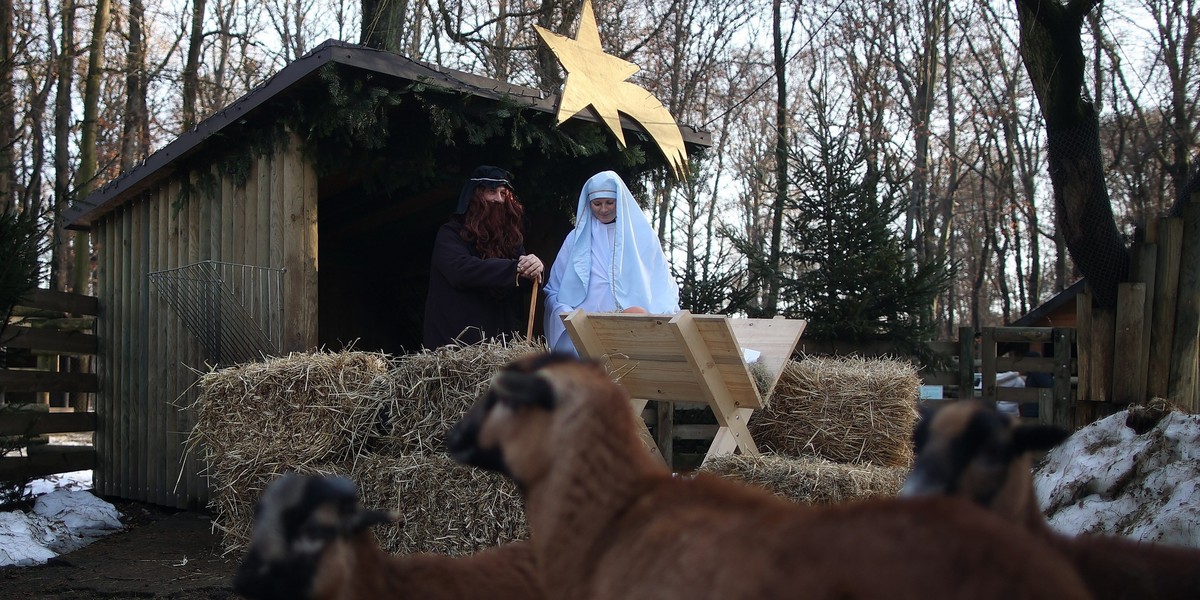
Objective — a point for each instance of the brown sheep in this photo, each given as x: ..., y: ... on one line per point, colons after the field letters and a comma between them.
x: 312, y: 540
x: 608, y: 521
x: 969, y: 450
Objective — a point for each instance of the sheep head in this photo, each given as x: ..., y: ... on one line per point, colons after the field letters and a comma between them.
x: 301, y: 526
x: 970, y: 450
x: 513, y: 427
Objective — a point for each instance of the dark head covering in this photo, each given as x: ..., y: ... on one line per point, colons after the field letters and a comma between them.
x: 486, y: 176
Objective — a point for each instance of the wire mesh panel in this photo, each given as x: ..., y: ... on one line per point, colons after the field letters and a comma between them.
x: 236, y: 311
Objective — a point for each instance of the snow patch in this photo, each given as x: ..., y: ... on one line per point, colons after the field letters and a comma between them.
x: 1108, y: 478
x: 20, y: 540
x: 65, y: 517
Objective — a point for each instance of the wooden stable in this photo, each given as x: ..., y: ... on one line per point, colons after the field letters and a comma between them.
x: 333, y: 256
x: 690, y: 358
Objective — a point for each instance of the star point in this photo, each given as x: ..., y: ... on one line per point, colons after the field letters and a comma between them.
x: 598, y: 79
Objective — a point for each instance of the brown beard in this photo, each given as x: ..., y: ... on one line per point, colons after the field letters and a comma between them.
x: 494, y: 227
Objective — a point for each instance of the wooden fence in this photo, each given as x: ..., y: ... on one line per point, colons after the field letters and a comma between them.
x: 48, y: 331
x: 982, y: 353
x: 1149, y: 347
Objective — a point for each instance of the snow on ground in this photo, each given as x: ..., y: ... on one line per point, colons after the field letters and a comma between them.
x: 1109, y: 478
x: 66, y: 516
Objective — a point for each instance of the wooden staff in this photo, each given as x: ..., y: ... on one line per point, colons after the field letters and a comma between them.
x: 537, y: 284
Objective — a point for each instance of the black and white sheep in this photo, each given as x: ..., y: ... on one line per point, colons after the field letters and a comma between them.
x: 311, y: 540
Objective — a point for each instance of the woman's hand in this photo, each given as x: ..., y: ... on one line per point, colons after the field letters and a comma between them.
x: 529, y: 266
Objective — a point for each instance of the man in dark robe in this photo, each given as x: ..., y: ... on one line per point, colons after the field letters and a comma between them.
x: 479, y: 268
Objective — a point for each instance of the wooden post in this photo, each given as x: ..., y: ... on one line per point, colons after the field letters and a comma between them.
x: 127, y: 461
x: 1083, y: 344
x: 177, y: 339
x: 1185, y: 350
x: 1129, y: 381
x: 966, y: 362
x: 139, y: 392
x: 987, y: 351
x: 1146, y: 272
x: 1062, y: 413
x: 1162, y: 324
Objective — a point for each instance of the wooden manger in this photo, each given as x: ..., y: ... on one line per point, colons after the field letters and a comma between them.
x: 690, y: 358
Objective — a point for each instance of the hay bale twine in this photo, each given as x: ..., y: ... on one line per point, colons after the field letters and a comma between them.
x: 444, y: 507
x: 435, y: 387
x: 809, y: 480
x: 846, y: 409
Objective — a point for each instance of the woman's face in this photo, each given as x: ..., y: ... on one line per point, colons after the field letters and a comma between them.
x: 604, y: 209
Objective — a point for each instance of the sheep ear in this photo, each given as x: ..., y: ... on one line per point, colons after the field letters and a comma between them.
x: 365, y: 518
x: 1031, y: 438
x: 517, y: 389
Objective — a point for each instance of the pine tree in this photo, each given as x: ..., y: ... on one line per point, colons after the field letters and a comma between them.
x: 845, y: 268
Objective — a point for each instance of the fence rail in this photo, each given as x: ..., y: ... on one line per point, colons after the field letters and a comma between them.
x: 982, y: 353
x: 48, y: 331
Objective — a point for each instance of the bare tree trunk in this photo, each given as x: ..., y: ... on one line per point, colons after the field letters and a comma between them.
x: 1051, y: 49
x: 771, y: 305
x: 191, y: 69
x: 546, y: 67
x: 941, y: 214
x: 135, y: 133
x: 62, y: 143
x: 921, y: 109
x: 383, y: 24
x: 8, y: 107
x: 87, y: 138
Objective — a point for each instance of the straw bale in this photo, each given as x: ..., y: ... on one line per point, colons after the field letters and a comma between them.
x: 338, y: 413
x: 847, y: 409
x: 301, y: 409
x: 435, y: 387
x: 232, y: 505
x: 809, y: 480
x: 444, y: 507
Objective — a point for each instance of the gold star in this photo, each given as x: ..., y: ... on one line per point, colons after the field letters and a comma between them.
x: 597, y: 79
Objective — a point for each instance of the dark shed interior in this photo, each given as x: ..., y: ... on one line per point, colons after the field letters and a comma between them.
x: 380, y: 207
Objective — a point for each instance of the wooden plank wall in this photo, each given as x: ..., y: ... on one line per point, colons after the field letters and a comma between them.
x: 149, y: 359
x: 1149, y: 347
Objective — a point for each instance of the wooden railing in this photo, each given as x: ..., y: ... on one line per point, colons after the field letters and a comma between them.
x: 979, y: 352
x: 46, y: 330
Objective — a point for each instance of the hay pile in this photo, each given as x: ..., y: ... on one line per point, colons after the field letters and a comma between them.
x: 444, y: 507
x: 435, y: 387
x: 847, y: 410
x: 379, y: 420
x: 810, y: 480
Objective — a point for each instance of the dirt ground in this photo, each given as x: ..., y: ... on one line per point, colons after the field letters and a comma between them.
x: 161, y: 554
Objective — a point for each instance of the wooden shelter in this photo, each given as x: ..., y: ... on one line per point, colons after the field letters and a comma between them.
x: 303, y: 215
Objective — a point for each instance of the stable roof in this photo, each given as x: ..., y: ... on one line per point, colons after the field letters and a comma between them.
x: 83, y: 213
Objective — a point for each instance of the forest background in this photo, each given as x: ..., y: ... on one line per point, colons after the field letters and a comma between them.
x: 873, y: 161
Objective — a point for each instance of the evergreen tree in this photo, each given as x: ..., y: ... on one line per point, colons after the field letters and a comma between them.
x: 845, y: 268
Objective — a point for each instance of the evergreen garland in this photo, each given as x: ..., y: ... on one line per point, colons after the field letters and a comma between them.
x: 345, y: 121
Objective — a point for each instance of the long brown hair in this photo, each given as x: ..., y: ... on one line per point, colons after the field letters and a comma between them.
x: 495, y: 228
